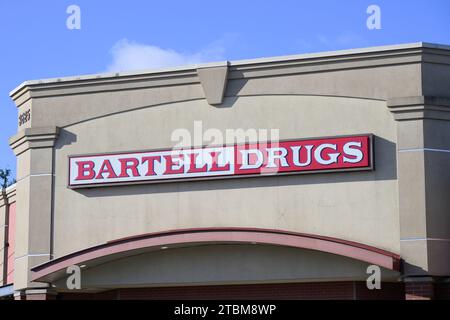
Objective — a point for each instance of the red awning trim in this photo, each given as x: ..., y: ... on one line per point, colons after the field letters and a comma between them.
x: 186, y: 237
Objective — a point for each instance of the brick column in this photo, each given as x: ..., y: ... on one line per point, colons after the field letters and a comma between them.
x: 442, y: 289
x: 34, y: 150
x: 419, y: 288
x: 35, y: 294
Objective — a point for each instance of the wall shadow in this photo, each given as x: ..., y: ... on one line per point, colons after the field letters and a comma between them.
x: 65, y: 138
x: 412, y: 270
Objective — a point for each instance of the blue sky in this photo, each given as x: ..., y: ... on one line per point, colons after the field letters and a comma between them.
x: 138, y: 34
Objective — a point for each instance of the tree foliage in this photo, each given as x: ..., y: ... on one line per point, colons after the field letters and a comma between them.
x: 5, y: 178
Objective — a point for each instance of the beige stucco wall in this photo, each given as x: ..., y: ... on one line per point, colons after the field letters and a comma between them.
x: 357, y: 206
x: 398, y: 93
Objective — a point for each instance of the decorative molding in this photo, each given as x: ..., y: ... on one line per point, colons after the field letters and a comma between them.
x: 34, y: 138
x: 424, y: 150
x: 419, y: 108
x: 8, y: 195
x: 214, y: 82
x: 414, y: 53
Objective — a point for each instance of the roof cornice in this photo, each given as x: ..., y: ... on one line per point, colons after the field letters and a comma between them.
x: 8, y: 195
x: 261, y: 67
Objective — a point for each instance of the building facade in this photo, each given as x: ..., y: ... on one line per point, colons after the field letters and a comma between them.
x: 101, y: 198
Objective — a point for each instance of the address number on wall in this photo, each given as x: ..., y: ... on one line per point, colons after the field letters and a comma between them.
x: 24, y: 117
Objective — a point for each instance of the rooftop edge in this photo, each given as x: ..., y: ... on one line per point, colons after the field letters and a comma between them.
x: 322, y: 54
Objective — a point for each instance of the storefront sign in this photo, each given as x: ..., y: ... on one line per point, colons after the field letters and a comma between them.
x: 239, y: 160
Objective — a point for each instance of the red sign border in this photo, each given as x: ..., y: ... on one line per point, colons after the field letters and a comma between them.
x: 370, y: 167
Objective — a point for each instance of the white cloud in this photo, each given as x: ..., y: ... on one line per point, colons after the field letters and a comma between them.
x: 346, y: 39
x: 130, y: 55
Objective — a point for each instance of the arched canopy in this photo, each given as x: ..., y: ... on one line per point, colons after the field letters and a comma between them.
x: 130, y: 246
